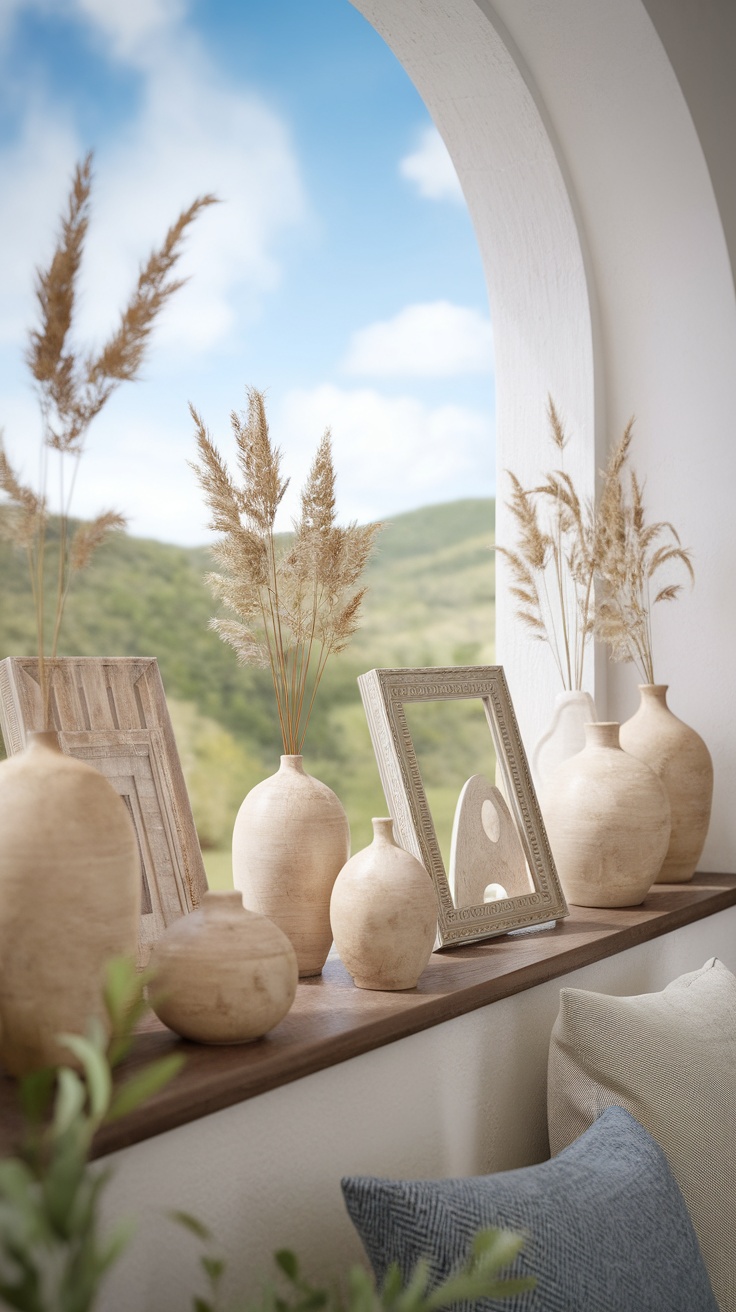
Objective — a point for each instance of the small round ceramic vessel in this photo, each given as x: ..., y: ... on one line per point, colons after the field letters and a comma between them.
x: 223, y: 974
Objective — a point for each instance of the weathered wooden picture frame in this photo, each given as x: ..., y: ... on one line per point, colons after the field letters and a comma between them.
x: 538, y: 897
x: 112, y: 713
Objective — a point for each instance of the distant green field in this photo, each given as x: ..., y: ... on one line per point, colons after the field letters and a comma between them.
x: 431, y: 601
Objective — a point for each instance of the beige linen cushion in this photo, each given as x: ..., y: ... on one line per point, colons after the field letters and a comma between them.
x: 669, y: 1058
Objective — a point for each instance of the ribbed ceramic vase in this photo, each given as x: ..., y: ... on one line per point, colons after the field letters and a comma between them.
x: 607, y: 818
x: 70, y: 889
x: 222, y: 974
x: 291, y: 838
x: 384, y: 914
x: 564, y: 735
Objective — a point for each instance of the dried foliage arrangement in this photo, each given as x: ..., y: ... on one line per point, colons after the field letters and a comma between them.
x: 631, y: 552
x: 73, y: 387
x: 298, y: 599
x: 554, y: 565
x: 582, y: 570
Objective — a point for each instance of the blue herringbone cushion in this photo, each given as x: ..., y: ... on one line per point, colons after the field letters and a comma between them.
x: 607, y: 1229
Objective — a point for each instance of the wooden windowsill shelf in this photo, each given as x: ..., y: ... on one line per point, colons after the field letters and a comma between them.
x: 332, y: 1021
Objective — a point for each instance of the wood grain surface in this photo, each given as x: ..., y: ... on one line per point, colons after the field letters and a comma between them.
x: 332, y: 1021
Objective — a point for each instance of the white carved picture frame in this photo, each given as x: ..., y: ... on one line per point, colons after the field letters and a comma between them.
x: 385, y: 692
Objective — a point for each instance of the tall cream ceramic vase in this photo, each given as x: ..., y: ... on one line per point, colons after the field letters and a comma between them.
x: 680, y: 758
x: 70, y: 887
x: 291, y: 838
x: 607, y: 818
x: 384, y: 914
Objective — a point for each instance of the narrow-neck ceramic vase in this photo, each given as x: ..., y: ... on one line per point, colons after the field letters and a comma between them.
x: 565, y: 734
x: 222, y: 974
x: 607, y: 818
x: 680, y: 758
x: 384, y: 914
x: 70, y: 889
x: 291, y: 838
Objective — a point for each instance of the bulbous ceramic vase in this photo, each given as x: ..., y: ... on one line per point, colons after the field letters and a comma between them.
x: 607, y: 818
x: 291, y: 838
x: 384, y: 914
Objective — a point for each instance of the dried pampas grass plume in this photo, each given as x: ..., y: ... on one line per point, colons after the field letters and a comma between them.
x: 73, y: 386
x: 631, y: 554
x: 581, y: 570
x: 553, y: 566
x: 297, y: 603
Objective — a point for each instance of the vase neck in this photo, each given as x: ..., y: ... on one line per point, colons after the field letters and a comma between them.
x: 602, y: 734
x: 654, y: 692
x: 47, y: 738
x: 383, y: 830
x: 295, y: 763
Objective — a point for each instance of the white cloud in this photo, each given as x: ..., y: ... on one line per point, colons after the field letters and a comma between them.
x: 430, y: 168
x: 126, y: 27
x: 129, y: 25
x: 391, y: 453
x: 193, y: 133
x: 433, y: 340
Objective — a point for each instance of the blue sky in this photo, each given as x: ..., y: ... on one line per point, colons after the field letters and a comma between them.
x: 340, y: 275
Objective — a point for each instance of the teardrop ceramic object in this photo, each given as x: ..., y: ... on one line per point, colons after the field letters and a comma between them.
x: 384, y: 914
x: 485, y: 848
x: 223, y: 974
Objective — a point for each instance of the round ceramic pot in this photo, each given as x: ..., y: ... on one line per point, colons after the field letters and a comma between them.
x: 222, y: 974
x: 607, y: 818
x: 680, y: 758
x: 70, y: 896
x: 384, y: 914
x: 291, y: 838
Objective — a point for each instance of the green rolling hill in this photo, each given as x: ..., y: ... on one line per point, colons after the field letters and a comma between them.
x: 430, y: 602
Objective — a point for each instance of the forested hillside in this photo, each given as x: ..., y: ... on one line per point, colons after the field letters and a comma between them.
x: 430, y: 602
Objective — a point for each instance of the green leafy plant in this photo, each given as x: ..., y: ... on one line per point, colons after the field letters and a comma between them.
x: 480, y: 1276
x: 53, y: 1256
x: 73, y: 386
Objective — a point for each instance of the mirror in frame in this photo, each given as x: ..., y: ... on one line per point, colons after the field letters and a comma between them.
x: 494, y: 872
